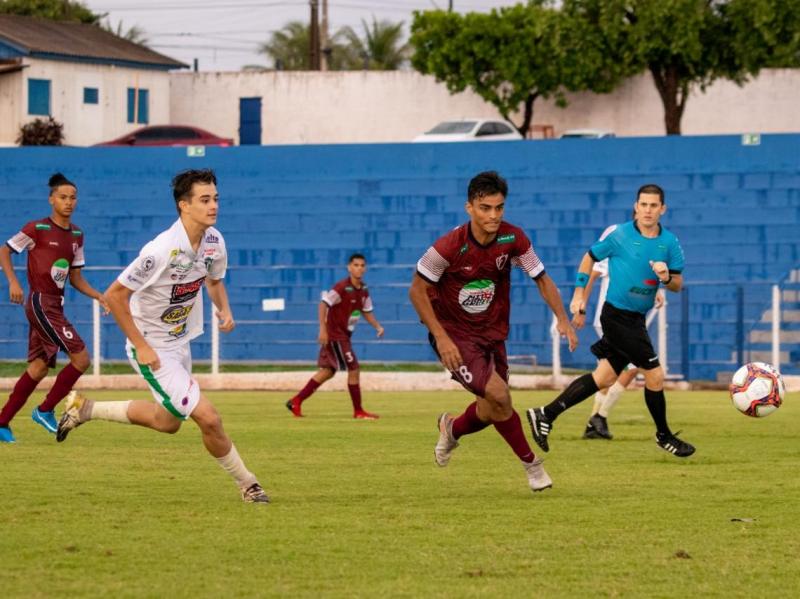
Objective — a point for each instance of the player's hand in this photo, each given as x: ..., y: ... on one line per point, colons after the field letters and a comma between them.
x: 659, y: 300
x: 578, y: 320
x: 565, y: 329
x: 15, y: 293
x: 379, y: 332
x: 577, y: 307
x: 147, y: 355
x: 448, y: 352
x: 322, y: 338
x: 226, y: 322
x: 104, y: 305
x: 661, y: 270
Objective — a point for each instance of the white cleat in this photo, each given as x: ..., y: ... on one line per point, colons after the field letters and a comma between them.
x: 446, y: 444
x: 72, y: 415
x: 538, y: 479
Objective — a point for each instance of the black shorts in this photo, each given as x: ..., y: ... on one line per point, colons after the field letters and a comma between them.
x: 625, y: 340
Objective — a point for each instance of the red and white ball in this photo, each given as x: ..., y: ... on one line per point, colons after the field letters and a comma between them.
x: 757, y: 389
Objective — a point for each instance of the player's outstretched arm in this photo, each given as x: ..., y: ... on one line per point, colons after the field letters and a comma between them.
x: 118, y: 298
x: 418, y: 294
x: 374, y: 322
x: 15, y: 293
x: 551, y: 295
x: 78, y: 282
x: 219, y: 297
x: 322, y: 317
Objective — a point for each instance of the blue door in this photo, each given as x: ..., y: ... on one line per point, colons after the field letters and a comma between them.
x: 249, y: 121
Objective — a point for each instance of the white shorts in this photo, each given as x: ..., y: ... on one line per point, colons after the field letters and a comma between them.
x: 172, y: 385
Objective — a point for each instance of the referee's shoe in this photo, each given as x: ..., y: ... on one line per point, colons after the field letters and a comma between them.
x: 674, y: 445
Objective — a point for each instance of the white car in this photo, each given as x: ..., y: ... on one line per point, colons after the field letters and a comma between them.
x: 586, y: 134
x: 469, y: 130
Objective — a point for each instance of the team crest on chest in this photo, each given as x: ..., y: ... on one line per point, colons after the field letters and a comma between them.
x: 501, y: 261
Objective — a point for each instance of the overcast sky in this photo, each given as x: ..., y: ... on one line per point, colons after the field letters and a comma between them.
x: 224, y: 34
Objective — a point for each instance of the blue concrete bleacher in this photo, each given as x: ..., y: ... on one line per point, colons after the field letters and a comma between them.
x: 291, y: 215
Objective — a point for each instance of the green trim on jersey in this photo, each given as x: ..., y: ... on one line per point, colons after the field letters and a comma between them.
x: 77, y: 233
x: 42, y: 227
x: 508, y: 238
x: 151, y: 380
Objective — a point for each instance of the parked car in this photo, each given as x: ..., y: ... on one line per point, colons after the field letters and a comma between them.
x: 586, y: 134
x: 469, y: 130
x: 169, y: 135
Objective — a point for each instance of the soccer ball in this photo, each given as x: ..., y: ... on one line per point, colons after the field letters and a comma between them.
x: 757, y: 389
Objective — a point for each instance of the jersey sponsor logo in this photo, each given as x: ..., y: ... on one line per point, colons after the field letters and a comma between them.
x: 463, y: 249
x: 178, y: 332
x: 180, y: 262
x: 59, y: 272
x: 476, y: 296
x: 144, y: 267
x: 42, y: 227
x: 176, y: 314
x: 642, y: 290
x: 55, y: 243
x: 351, y: 322
x: 77, y: 233
x: 651, y: 281
x: 508, y: 238
x: 501, y: 261
x: 348, y: 288
x: 183, y: 292
x: 211, y: 238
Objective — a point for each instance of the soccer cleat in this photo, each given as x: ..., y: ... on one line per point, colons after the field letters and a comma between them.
x: 600, y: 426
x: 590, y: 433
x: 538, y: 479
x: 364, y: 415
x: 46, y: 419
x: 446, y: 443
x: 541, y: 427
x: 674, y: 445
x: 254, y: 494
x: 6, y: 436
x: 72, y: 415
x: 294, y: 407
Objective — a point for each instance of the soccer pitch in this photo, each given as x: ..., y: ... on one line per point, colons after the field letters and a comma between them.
x: 360, y: 510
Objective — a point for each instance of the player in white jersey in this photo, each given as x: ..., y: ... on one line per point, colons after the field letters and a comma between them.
x: 604, y: 399
x: 157, y: 302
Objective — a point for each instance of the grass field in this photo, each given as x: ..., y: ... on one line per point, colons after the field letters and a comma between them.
x: 360, y: 510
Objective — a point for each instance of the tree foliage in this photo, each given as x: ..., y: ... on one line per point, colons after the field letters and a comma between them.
x: 379, y: 48
x: 134, y: 33
x: 56, y: 10
x: 41, y: 132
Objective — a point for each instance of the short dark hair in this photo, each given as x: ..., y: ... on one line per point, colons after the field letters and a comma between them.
x: 356, y: 256
x: 183, y: 181
x: 651, y: 188
x: 56, y: 180
x: 485, y: 184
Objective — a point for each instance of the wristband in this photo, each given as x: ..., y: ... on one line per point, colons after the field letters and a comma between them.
x: 581, y: 311
x: 669, y: 279
x: 581, y: 279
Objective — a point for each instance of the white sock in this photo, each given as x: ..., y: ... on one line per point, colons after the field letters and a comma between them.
x: 612, y: 395
x: 599, y: 398
x: 114, y: 411
x: 233, y: 465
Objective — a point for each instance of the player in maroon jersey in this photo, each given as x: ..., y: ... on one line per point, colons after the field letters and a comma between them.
x: 338, y: 313
x: 55, y: 254
x: 461, y: 293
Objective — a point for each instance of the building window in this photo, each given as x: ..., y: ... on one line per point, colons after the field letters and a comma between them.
x: 90, y: 95
x: 39, y: 96
x: 137, y: 106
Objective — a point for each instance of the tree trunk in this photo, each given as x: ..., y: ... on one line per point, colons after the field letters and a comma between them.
x: 674, y: 92
x: 527, y: 115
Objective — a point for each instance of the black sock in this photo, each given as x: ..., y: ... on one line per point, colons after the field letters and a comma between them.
x: 657, y: 405
x: 579, y: 389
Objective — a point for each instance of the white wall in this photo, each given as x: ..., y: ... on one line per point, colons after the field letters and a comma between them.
x: 374, y: 106
x: 86, y: 124
x: 10, y: 96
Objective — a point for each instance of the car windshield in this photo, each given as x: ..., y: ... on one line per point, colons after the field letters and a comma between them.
x: 452, y: 128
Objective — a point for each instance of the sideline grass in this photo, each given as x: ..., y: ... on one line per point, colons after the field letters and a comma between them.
x: 359, y: 509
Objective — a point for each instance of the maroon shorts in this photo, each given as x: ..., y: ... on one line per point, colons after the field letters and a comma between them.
x: 479, y: 359
x: 337, y: 355
x: 50, y: 331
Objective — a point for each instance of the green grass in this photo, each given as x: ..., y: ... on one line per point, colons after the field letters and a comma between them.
x: 360, y: 510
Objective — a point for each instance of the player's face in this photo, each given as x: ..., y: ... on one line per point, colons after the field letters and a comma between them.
x: 487, y: 212
x: 202, y: 205
x: 357, y: 268
x: 64, y: 199
x: 648, y: 209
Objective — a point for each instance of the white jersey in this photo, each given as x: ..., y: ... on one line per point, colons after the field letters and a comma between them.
x: 602, y: 268
x: 167, y: 280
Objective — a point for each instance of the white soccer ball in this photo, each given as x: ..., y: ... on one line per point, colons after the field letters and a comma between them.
x: 757, y: 389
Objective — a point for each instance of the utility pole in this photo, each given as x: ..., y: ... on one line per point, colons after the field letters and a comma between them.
x: 450, y: 6
x: 314, y: 53
x: 325, y: 39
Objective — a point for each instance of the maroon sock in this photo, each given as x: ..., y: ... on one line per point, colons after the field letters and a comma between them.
x: 355, y: 396
x: 65, y: 381
x: 468, y: 422
x: 306, y: 391
x: 22, y: 391
x: 511, y: 431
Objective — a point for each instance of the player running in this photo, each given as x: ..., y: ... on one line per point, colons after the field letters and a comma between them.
x: 461, y: 293
x: 338, y: 313
x: 55, y: 255
x: 642, y: 255
x: 157, y: 302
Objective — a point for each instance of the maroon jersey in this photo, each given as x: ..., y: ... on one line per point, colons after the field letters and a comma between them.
x: 472, y: 281
x: 52, y: 251
x: 346, y: 304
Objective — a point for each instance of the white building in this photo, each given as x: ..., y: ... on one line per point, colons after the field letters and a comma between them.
x: 98, y: 85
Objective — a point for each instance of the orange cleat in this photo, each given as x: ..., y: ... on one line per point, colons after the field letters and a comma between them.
x: 294, y: 407
x: 364, y: 415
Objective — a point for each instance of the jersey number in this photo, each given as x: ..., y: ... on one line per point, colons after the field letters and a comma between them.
x: 466, y: 375
x: 68, y: 334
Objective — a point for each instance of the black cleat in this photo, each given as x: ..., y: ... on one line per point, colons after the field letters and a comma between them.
x: 541, y: 426
x: 590, y: 433
x: 254, y: 494
x: 674, y: 445
x: 600, y: 426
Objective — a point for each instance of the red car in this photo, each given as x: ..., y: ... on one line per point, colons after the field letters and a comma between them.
x: 169, y: 135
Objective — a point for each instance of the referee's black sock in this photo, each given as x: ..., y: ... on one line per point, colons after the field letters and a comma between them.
x: 581, y: 388
x: 657, y: 405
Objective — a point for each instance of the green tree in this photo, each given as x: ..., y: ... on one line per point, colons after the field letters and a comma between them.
x: 380, y: 47
x: 288, y: 49
x: 56, y: 10
x: 513, y: 56
x: 688, y: 44
x: 134, y: 34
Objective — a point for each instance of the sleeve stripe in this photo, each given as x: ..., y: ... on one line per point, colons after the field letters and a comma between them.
x: 424, y: 278
x: 432, y: 265
x: 530, y: 263
x: 12, y: 248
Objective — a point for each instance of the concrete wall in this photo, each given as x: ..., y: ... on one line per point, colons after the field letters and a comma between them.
x: 10, y: 98
x: 85, y: 124
x: 355, y: 107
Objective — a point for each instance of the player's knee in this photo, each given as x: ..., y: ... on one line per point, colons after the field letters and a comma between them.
x: 80, y: 361
x: 37, y: 370
x: 654, y: 378
x: 171, y: 427
x: 604, y: 377
x: 325, y: 374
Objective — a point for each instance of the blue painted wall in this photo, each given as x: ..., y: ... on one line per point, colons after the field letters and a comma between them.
x: 292, y: 214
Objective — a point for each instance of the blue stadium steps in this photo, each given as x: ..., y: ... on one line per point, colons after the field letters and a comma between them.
x: 292, y: 215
